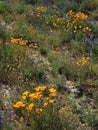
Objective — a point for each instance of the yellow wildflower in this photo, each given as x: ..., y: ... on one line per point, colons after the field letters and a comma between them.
x: 30, y: 107
x: 87, y: 28
x: 35, y: 95
x: 51, y: 101
x: 39, y: 110
x: 43, y: 88
x: 53, y: 94
x: 75, y: 31
x: 75, y: 27
x: 23, y: 97
x: 77, y: 63
x: 80, y: 26
x: 19, y: 104
x: 21, y: 119
x: 70, y: 12
x: 54, y: 25
x: 45, y: 104
x: 51, y: 90
x: 37, y: 89
x: 47, y: 98
x: 26, y: 93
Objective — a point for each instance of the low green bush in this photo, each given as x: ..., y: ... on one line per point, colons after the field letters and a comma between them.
x: 5, y: 7
x: 22, y: 29
x: 89, y: 5
x: 68, y: 118
x: 6, y: 61
x: 43, y: 50
x: 33, y: 2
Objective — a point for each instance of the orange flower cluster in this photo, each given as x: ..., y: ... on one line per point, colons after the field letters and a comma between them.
x: 56, y: 22
x: 48, y: 100
x: 52, y: 92
x: 19, y: 104
x: 76, y: 22
x: 71, y: 12
x: 30, y: 100
x: 18, y: 41
x: 40, y: 12
x: 41, y: 9
x: 54, y: 25
x: 40, y: 88
x: 36, y: 95
x: 83, y: 61
x: 25, y: 95
x: 87, y: 29
x: 39, y: 110
x: 77, y: 16
x: 81, y: 16
x: 30, y: 107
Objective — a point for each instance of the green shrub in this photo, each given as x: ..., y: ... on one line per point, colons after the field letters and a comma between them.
x: 79, y: 1
x: 3, y: 34
x: 22, y: 29
x: 49, y: 120
x: 55, y: 38
x: 4, y: 7
x: 6, y: 59
x: 20, y: 9
x: 35, y: 74
x: 71, y: 6
x: 69, y: 120
x: 33, y: 2
x: 94, y: 14
x: 43, y: 50
x: 9, y: 18
x: 96, y: 99
x: 8, y: 127
x: 90, y: 118
x: 77, y: 48
x: 89, y: 5
x: 95, y: 53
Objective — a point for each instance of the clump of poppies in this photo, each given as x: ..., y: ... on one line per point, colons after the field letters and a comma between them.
x: 38, y: 100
